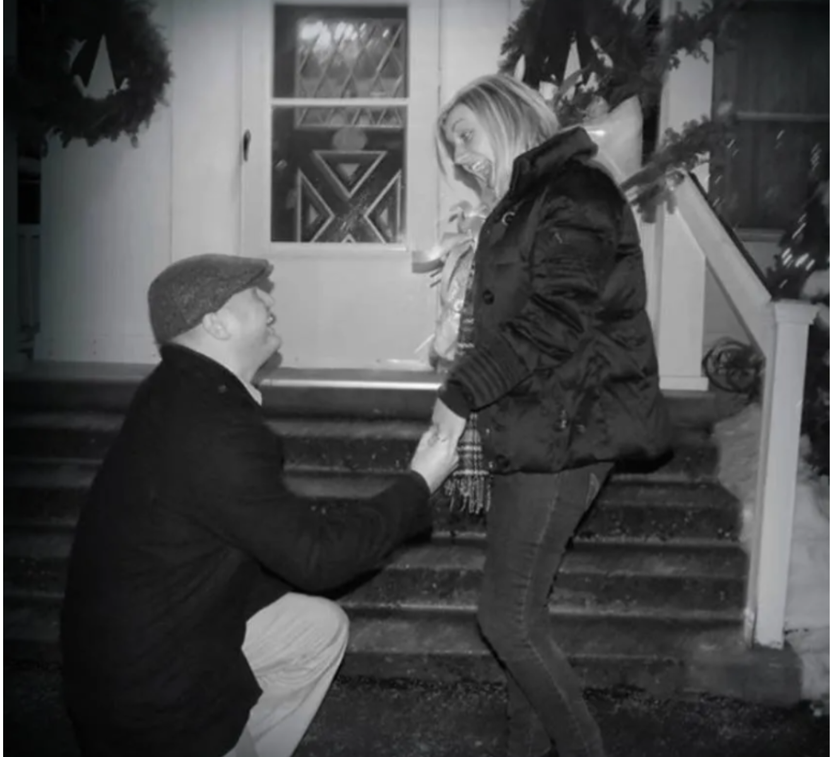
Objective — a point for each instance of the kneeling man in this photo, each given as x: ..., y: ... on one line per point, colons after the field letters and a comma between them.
x: 188, y: 627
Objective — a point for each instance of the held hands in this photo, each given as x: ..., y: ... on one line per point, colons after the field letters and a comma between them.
x: 435, y: 458
x: 448, y: 424
x: 437, y: 455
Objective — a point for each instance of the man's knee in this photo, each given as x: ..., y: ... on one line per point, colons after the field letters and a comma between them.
x: 334, y: 618
x: 329, y: 621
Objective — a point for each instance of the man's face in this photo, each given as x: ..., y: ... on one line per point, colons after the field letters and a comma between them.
x: 251, y: 322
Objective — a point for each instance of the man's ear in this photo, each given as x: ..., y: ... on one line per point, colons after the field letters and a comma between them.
x: 215, y: 325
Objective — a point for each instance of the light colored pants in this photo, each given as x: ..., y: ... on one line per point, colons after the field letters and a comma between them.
x: 294, y: 648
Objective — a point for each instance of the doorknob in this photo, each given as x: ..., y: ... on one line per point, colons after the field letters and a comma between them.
x: 246, y: 143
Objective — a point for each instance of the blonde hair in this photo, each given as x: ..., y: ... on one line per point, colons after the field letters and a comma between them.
x: 515, y: 117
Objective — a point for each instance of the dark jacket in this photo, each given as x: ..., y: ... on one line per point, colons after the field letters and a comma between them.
x: 188, y: 531
x: 563, y: 371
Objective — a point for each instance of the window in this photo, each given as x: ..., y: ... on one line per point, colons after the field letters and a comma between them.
x: 339, y: 125
x: 775, y: 76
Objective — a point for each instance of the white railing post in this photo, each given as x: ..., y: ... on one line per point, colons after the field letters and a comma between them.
x: 777, y: 471
x: 680, y: 318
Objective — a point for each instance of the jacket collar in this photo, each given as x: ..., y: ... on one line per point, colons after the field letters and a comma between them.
x: 204, y: 370
x: 550, y: 157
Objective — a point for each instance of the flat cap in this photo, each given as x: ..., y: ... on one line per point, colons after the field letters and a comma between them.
x: 186, y: 291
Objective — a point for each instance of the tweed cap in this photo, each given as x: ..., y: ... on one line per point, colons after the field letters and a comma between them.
x: 186, y: 291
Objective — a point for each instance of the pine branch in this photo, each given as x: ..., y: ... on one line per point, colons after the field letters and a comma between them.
x: 686, y: 33
x: 642, y: 47
x: 678, y: 153
x: 520, y: 35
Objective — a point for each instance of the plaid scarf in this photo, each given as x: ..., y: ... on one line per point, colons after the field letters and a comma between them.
x: 468, y: 488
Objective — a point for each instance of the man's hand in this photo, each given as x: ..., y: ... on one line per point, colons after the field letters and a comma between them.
x: 435, y: 458
x: 449, y: 425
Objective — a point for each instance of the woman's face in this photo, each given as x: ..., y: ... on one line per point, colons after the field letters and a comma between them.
x: 470, y: 146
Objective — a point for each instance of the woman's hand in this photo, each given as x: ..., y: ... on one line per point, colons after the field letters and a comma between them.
x: 434, y: 459
x: 448, y: 425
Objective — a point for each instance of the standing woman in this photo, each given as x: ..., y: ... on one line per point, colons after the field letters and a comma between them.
x: 555, y: 378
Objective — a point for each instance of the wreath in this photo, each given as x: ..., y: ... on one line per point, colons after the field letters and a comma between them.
x: 58, y: 45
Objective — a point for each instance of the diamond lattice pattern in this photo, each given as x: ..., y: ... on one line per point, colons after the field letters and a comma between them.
x: 351, y: 58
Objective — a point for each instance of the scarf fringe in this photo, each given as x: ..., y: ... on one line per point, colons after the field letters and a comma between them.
x: 467, y: 494
x: 468, y: 488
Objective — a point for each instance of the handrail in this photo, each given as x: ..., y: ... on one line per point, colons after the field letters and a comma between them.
x: 779, y: 329
x: 733, y: 235
x: 739, y: 274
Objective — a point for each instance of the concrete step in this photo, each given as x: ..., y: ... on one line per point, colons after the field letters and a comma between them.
x: 650, y: 595
x: 600, y: 577
x: 659, y: 654
x: 287, y: 393
x: 44, y: 492
x: 352, y: 445
x: 446, y: 573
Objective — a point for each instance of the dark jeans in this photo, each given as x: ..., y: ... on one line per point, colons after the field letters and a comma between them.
x: 532, y: 517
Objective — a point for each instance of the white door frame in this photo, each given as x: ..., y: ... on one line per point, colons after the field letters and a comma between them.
x: 422, y: 110
x: 365, y: 306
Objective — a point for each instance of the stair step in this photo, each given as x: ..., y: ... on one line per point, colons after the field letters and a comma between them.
x: 650, y: 594
x: 286, y: 393
x: 425, y: 629
x: 350, y: 445
x: 447, y: 573
x: 51, y: 493
x: 660, y: 655
x: 593, y: 577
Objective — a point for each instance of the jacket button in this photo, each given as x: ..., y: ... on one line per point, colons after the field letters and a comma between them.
x: 488, y: 297
x: 222, y: 388
x: 508, y: 217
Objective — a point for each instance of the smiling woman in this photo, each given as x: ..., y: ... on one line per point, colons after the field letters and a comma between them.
x: 554, y: 379
x: 480, y: 138
x: 472, y: 151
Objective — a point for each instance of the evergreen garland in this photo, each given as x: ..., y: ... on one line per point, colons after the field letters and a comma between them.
x: 642, y: 48
x: 44, y: 91
x: 678, y: 153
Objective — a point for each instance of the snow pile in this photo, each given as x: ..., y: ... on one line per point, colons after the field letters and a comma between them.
x: 808, y: 588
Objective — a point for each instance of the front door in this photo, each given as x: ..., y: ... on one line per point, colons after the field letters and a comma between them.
x: 339, y: 178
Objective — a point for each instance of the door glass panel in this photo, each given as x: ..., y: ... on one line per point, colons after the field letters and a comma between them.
x: 338, y: 170
x: 342, y: 52
x: 338, y: 175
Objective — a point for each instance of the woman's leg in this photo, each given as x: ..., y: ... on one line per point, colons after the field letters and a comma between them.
x: 531, y: 520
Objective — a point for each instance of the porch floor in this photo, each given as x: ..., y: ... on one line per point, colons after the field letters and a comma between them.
x: 371, y: 719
